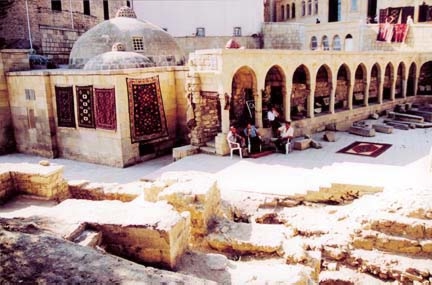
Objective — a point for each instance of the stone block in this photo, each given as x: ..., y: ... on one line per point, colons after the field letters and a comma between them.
x: 381, y: 128
x: 329, y: 136
x: 362, y: 131
x: 315, y: 144
x: 200, y: 196
x: 302, y: 144
x: 152, y: 233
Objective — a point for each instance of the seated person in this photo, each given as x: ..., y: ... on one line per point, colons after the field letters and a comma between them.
x: 254, y: 138
x: 234, y: 137
x: 286, y: 133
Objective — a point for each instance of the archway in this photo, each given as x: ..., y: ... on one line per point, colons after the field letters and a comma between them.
x: 411, y: 80
x: 242, y: 105
x: 349, y: 44
x: 274, y: 93
x: 337, y: 43
x: 323, y: 89
x: 388, y: 82
x: 342, y: 88
x: 400, y: 79
x: 425, y: 79
x: 359, y: 86
x: 334, y: 10
x: 300, y: 93
x: 374, y: 84
x: 325, y: 43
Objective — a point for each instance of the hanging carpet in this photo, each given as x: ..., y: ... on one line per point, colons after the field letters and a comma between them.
x: 85, y: 107
x: 65, y: 106
x: 146, y: 110
x: 105, y: 108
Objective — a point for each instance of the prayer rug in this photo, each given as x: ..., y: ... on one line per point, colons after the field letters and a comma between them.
x: 146, y: 110
x: 85, y: 107
x: 65, y: 106
x: 365, y: 148
x: 105, y: 108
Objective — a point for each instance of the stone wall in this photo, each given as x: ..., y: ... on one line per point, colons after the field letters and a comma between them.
x: 35, y: 118
x: 284, y: 36
x: 52, y: 32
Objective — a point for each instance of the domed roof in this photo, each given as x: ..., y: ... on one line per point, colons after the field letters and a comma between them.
x: 137, y: 36
x: 118, y: 59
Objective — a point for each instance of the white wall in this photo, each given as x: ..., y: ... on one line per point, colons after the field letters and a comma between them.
x: 218, y: 17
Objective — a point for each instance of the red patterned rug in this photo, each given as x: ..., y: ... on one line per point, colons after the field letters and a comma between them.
x: 85, y: 108
x: 105, y: 107
x: 260, y: 154
x: 65, y: 106
x: 365, y: 148
x: 146, y: 110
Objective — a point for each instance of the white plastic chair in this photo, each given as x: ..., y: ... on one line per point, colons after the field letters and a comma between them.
x: 234, y: 146
x: 288, y: 147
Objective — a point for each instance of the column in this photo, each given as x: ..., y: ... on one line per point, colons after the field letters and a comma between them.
x: 311, y: 99
x: 333, y: 94
x: 287, y: 100
x: 258, y: 105
x: 393, y: 87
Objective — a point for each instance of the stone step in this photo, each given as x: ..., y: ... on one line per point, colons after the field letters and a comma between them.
x: 362, y: 131
x: 373, y: 240
x: 405, y: 117
x: 207, y: 150
x: 390, y: 266
x: 211, y: 143
x: 427, y: 115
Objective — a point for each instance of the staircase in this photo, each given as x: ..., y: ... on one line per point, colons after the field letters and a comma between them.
x: 209, y: 148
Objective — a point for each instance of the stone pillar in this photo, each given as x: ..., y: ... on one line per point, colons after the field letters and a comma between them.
x: 287, y: 101
x: 193, y: 86
x: 416, y: 79
x: 225, y: 100
x: 404, y: 87
x: 380, y: 89
x: 311, y: 99
x: 351, y: 91
x: 366, y: 90
x: 333, y: 94
x: 393, y: 87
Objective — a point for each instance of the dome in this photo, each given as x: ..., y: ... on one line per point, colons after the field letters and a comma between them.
x: 137, y: 36
x: 118, y: 59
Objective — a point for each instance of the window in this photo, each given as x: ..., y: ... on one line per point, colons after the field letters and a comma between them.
x: 337, y: 43
x: 293, y: 12
x: 200, y: 32
x: 314, y: 43
x: 309, y: 8
x: 303, y: 8
x: 106, y: 10
x: 288, y: 11
x: 237, y: 32
x: 325, y: 43
x: 128, y: 3
x: 138, y: 43
x: 30, y: 94
x: 86, y: 4
x: 56, y: 5
x: 354, y: 6
x: 316, y: 7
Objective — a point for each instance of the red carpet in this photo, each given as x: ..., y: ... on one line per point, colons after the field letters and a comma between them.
x: 365, y: 148
x: 260, y: 154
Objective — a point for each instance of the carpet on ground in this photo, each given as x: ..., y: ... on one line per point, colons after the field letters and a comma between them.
x: 365, y: 148
x: 65, y: 106
x: 260, y: 154
x: 146, y: 110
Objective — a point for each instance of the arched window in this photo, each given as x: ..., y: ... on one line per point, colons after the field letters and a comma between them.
x: 293, y: 12
x: 303, y: 8
x: 314, y: 43
x: 288, y: 11
x: 315, y: 7
x: 309, y: 8
x: 337, y: 43
x: 354, y: 6
x: 282, y: 18
x: 325, y: 43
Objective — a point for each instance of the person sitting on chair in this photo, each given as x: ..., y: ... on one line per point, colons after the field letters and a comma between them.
x: 286, y: 133
x: 253, y: 137
x: 234, y: 137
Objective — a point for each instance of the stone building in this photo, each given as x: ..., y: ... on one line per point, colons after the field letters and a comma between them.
x: 126, y: 106
x: 51, y: 27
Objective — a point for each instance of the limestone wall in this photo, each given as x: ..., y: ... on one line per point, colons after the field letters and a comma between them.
x: 35, y: 118
x: 284, y: 36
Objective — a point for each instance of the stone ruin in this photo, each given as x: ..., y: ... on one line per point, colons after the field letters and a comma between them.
x: 182, y: 229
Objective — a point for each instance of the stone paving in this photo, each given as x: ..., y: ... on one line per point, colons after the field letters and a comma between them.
x: 408, y: 161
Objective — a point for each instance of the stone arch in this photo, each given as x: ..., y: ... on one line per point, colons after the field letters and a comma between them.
x: 400, y: 79
x: 243, y: 89
x: 374, y: 84
x: 323, y: 90
x: 342, y: 88
x: 282, y: 17
x: 336, y: 44
x: 411, y: 86
x: 300, y: 93
x: 293, y: 11
x: 288, y: 11
x: 274, y: 93
x: 388, y: 82
x: 425, y: 79
x: 360, y: 79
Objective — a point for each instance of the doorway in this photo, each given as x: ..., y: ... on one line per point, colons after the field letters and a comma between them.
x: 334, y: 14
x: 372, y: 11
